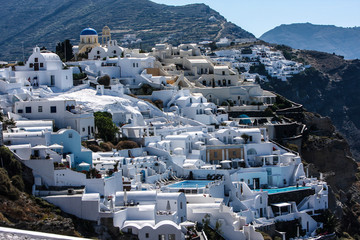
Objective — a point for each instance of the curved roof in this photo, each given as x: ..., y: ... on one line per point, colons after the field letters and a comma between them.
x: 49, y: 56
x: 88, y: 31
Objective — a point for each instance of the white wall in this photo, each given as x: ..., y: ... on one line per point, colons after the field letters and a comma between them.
x: 75, y: 205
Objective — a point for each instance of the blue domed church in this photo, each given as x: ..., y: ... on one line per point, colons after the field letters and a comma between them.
x: 89, y: 39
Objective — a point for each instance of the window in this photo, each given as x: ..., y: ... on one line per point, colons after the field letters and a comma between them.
x: 36, y: 60
x: 223, y: 72
x: 92, y: 129
x: 133, y: 64
x: 181, y: 205
x: 250, y: 138
x: 31, y: 65
x: 171, y: 236
x: 52, y: 80
x: 20, y: 111
x: 41, y: 64
x: 114, y: 51
x: 229, y: 81
x: 98, y: 52
x: 83, y: 129
x: 251, y: 151
x: 53, y: 109
x: 161, y: 236
x: 39, y: 108
x: 70, y: 135
x: 28, y: 109
x: 147, y: 235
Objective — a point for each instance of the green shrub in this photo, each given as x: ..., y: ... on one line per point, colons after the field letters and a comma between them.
x: 18, y: 182
x: 104, y: 80
x: 6, y: 187
x: 107, y: 146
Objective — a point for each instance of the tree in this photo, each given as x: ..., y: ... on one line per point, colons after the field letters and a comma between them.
x: 64, y: 50
x: 106, y: 129
x: 245, y: 137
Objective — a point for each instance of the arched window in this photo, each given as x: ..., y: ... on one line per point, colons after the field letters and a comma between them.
x: 251, y: 151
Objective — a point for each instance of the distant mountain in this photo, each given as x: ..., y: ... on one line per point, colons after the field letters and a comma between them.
x: 325, y: 38
x: 46, y: 22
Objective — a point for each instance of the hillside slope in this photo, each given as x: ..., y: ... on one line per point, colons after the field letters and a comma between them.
x: 329, y: 87
x: 324, y: 150
x: 325, y: 38
x: 47, y: 22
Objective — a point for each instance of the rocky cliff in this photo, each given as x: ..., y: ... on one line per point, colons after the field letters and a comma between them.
x: 19, y: 209
x: 324, y: 150
x: 329, y: 87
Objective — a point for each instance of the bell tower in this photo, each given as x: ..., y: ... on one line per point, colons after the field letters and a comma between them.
x: 106, y: 35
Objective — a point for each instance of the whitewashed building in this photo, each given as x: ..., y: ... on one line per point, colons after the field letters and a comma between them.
x: 65, y: 113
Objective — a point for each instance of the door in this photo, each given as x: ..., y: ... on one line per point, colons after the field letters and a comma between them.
x: 36, y: 153
x: 52, y: 80
x: 36, y: 66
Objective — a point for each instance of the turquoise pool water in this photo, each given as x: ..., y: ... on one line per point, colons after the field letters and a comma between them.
x: 190, y: 184
x: 281, y: 190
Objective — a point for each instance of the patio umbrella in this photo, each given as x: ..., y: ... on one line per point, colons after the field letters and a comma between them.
x: 38, y: 147
x: 84, y: 164
x: 225, y: 161
x: 56, y: 146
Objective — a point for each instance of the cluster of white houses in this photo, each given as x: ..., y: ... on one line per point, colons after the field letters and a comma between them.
x: 276, y: 65
x: 193, y: 163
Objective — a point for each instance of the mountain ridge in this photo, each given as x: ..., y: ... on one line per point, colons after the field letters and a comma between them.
x: 48, y: 22
x: 326, y: 38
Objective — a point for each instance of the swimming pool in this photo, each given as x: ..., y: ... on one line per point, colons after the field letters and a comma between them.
x: 282, y: 190
x: 190, y: 184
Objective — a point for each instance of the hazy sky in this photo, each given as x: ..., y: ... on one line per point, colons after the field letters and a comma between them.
x: 259, y: 16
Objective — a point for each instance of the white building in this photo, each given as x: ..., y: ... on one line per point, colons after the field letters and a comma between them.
x: 42, y: 68
x: 65, y: 113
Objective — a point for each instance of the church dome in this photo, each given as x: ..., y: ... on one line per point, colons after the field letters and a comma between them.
x: 88, y: 31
